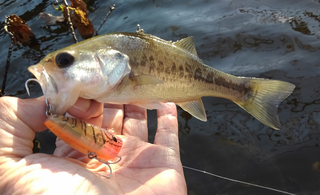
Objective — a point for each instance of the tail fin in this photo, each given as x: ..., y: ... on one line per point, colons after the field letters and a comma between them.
x: 267, y: 95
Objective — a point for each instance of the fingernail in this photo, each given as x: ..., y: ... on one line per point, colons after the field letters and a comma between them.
x: 82, y: 104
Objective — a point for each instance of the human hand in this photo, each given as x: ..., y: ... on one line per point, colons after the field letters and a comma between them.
x: 144, y: 169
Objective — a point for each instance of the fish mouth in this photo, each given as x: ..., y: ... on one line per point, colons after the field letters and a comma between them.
x: 55, y: 88
x: 48, y: 84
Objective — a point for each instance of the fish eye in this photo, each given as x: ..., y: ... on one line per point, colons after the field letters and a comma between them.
x: 64, y: 60
x: 114, y: 138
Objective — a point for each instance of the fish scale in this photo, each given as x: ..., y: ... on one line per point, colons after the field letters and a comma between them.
x: 142, y: 69
x: 188, y: 77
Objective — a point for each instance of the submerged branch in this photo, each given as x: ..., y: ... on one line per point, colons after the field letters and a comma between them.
x: 113, y: 7
x: 70, y: 23
x: 4, y: 82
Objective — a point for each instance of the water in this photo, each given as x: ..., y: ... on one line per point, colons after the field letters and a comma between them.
x: 267, y: 39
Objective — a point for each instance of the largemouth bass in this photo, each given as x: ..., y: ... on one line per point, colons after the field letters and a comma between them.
x: 142, y: 69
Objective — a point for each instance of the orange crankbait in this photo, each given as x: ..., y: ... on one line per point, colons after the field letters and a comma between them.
x: 85, y: 137
x: 97, y: 142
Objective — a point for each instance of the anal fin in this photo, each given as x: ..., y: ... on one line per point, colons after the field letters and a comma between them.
x: 195, y: 108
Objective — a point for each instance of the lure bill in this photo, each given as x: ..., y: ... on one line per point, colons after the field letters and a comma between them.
x: 84, y: 137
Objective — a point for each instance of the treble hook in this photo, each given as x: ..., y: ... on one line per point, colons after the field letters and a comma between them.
x: 26, y: 84
x: 93, y: 155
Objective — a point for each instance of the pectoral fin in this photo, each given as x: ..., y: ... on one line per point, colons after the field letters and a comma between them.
x: 144, y: 80
x: 195, y: 108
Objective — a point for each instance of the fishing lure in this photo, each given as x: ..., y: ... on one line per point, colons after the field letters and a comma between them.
x: 98, y: 143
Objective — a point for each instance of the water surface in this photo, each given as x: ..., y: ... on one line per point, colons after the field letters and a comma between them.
x: 265, y: 39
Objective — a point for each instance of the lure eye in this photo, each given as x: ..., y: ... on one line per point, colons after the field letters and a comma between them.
x: 64, y: 60
x: 114, y: 138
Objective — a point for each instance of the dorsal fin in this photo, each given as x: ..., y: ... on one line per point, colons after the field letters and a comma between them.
x: 187, y: 44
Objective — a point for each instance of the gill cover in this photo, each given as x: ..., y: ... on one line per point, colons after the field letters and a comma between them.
x: 66, y: 75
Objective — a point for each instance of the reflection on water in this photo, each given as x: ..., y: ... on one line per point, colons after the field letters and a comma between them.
x: 266, y: 39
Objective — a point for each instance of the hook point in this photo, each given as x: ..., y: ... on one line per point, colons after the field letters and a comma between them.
x: 26, y: 84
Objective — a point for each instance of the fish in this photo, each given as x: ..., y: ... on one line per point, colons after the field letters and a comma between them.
x: 84, y: 137
x: 147, y: 71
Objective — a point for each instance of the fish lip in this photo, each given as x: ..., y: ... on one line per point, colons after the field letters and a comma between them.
x: 51, y: 81
x: 48, y: 84
x: 59, y: 96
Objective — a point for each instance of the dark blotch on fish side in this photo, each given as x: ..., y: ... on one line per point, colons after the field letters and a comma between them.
x: 188, y: 71
x: 144, y: 60
x: 151, y: 58
x: 173, y: 68
x: 133, y: 62
x: 197, y: 74
x: 241, y: 88
x: 187, y: 67
x: 152, y: 66
x: 167, y: 70
x: 143, y: 63
x: 181, y: 71
x: 160, y: 67
x: 209, y: 77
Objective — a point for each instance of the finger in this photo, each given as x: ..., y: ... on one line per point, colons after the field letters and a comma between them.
x: 113, y: 117
x: 64, y: 150
x: 19, y: 120
x: 30, y: 111
x: 89, y: 111
x: 135, y: 122
x: 167, y: 131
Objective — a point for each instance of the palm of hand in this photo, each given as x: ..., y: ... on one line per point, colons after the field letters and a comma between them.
x: 144, y: 169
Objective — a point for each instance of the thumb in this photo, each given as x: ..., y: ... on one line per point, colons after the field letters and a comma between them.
x: 89, y: 111
x: 19, y: 120
x: 29, y: 111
